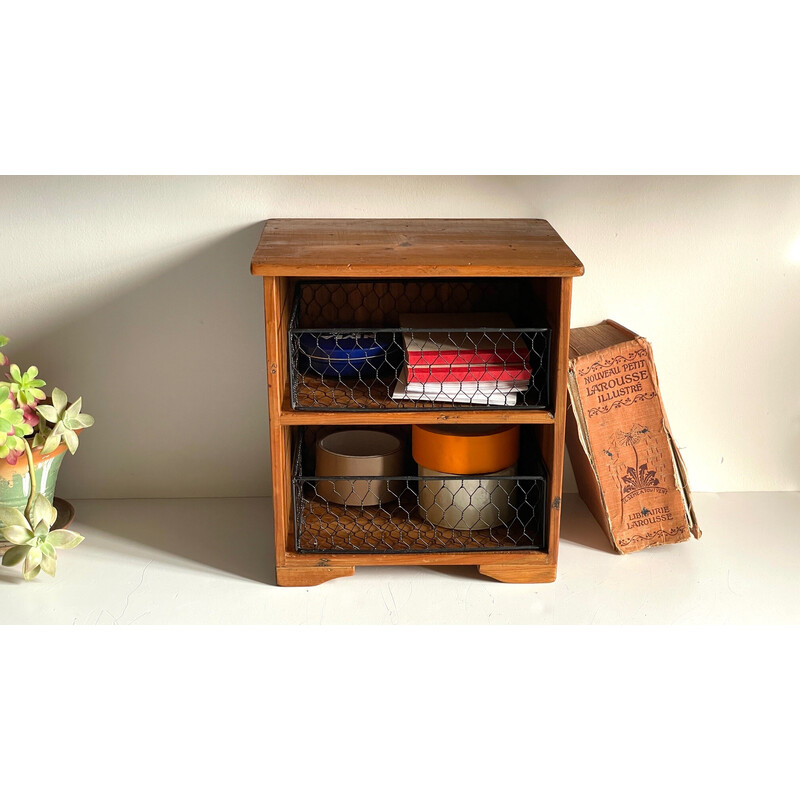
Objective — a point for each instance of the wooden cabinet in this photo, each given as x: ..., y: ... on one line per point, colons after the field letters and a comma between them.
x: 344, y: 273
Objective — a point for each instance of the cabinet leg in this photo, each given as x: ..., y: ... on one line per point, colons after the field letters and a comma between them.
x: 534, y: 573
x: 310, y: 576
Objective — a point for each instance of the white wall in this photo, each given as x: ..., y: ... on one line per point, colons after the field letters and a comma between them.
x: 135, y: 292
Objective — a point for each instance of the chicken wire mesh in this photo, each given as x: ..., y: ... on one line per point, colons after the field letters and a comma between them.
x: 412, y: 513
x: 348, y: 351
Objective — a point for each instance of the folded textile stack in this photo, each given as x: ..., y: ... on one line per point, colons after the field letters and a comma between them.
x: 463, y: 358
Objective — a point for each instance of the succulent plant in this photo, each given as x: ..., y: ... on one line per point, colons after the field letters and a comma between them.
x: 25, y: 386
x: 34, y: 543
x: 29, y: 535
x: 23, y: 391
x: 12, y: 427
x: 66, y: 421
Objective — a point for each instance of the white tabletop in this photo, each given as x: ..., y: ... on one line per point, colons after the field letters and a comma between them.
x: 209, y: 561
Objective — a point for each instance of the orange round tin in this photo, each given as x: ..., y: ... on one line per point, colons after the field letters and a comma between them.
x: 465, y: 449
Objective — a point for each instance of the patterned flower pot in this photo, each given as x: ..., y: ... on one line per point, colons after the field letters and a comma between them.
x: 15, y: 482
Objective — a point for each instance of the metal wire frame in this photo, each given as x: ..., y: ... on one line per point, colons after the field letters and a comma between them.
x: 368, y: 381
x: 397, y: 525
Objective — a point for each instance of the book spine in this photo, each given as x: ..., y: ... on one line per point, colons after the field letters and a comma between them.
x: 445, y: 358
x: 428, y: 374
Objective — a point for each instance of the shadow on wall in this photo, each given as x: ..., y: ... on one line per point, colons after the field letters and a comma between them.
x: 173, y: 371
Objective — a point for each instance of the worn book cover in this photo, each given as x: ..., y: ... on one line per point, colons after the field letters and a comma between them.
x: 627, y: 466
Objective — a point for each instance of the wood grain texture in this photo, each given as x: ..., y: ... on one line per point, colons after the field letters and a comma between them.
x: 376, y: 248
x: 559, y: 300
x: 310, y: 576
x: 424, y: 417
x: 276, y: 324
x: 508, y: 557
x: 519, y: 573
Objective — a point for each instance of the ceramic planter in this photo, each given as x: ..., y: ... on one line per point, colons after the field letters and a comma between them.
x: 15, y: 482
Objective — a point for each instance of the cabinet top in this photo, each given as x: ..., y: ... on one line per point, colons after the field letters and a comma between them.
x: 412, y: 247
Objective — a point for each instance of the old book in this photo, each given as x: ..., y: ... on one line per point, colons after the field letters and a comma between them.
x: 627, y: 466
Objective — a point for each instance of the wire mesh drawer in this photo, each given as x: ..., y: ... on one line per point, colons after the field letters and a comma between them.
x: 348, y: 350
x: 413, y: 513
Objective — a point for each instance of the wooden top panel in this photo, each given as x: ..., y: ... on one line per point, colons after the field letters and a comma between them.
x: 408, y: 247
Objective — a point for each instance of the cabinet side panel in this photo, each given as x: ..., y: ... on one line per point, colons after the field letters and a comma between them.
x: 557, y: 296
x: 276, y: 313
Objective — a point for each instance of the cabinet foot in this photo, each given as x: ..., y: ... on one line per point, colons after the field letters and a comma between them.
x: 310, y: 576
x: 535, y: 573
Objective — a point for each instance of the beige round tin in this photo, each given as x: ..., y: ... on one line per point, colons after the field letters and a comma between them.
x: 465, y: 503
x: 359, y: 452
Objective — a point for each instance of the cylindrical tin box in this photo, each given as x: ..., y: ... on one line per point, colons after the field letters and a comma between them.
x: 465, y: 449
x: 464, y: 502
x: 359, y: 452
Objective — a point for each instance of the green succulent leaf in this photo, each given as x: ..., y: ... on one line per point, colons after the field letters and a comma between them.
x: 48, y: 412
x: 32, y: 561
x: 71, y: 440
x: 4, y: 341
x: 6, y: 426
x: 59, y: 401
x: 14, y: 555
x: 43, y: 511
x: 11, y: 516
x: 10, y: 443
x: 47, y: 549
x: 49, y: 564
x: 14, y: 416
x: 16, y: 442
x: 66, y: 421
x: 64, y: 539
x: 25, y: 386
x: 7, y: 405
x: 17, y: 534
x: 40, y: 532
x: 51, y: 443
